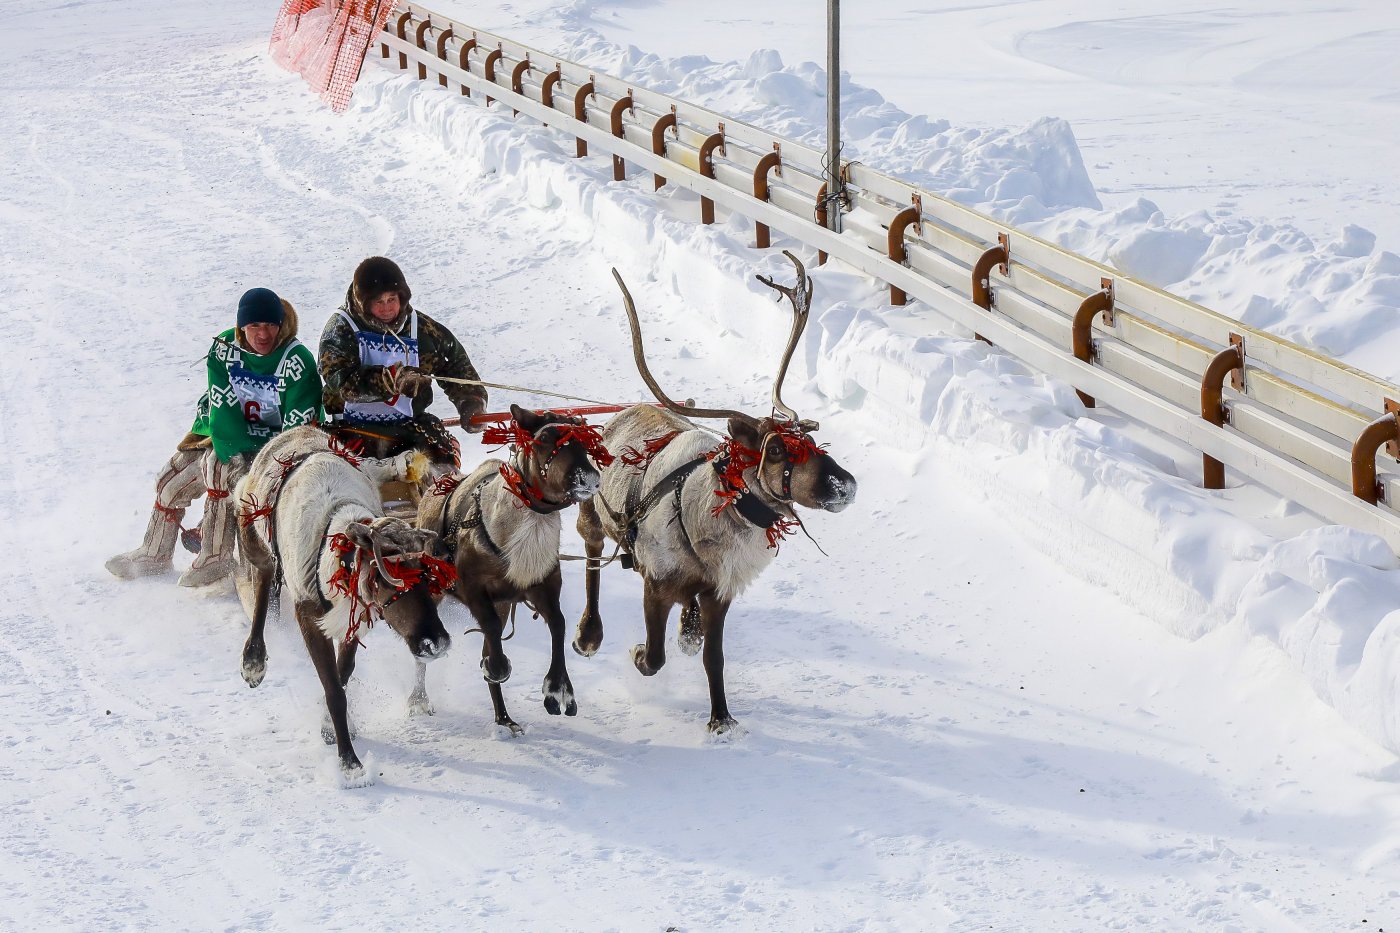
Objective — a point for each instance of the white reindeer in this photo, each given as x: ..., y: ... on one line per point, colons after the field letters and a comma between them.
x: 311, y: 510
x: 700, y: 520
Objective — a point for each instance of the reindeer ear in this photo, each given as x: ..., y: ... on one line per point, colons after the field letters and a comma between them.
x: 527, y: 419
x: 745, y: 433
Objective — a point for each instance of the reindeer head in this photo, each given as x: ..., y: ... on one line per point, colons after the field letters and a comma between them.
x: 789, y: 466
x: 551, y: 456
x: 394, y: 570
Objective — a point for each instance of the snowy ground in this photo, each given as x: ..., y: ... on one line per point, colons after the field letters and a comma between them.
x: 979, y: 712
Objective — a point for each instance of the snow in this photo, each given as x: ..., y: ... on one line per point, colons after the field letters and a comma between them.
x: 1042, y: 680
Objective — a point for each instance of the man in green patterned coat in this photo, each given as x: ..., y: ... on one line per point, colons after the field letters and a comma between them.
x: 261, y: 381
x: 379, y: 357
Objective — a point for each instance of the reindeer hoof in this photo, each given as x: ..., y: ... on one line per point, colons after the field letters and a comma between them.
x: 254, y: 664
x: 725, y: 724
x: 689, y: 639
x: 639, y: 658
x: 497, y: 671
x: 353, y: 774
x: 560, y: 700
x: 589, y: 637
x: 420, y: 705
x: 509, y: 728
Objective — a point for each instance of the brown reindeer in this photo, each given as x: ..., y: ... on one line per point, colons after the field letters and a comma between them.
x: 501, y: 525
x: 700, y: 520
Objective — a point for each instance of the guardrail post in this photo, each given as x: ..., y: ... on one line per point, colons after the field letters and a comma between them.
x: 462, y: 62
x: 658, y: 140
x: 997, y: 257
x: 420, y: 37
x: 615, y: 122
x: 773, y: 161
x: 442, y: 51
x: 707, y: 168
x: 488, y: 67
x: 581, y: 114
x: 517, y: 76
x: 1099, y: 302
x: 1213, y: 404
x: 399, y: 30
x: 547, y: 87
x: 1385, y: 430
x: 894, y: 241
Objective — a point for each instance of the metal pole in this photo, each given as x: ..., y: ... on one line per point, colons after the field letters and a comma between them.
x: 833, y: 112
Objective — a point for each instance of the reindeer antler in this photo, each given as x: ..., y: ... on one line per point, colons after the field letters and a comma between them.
x: 800, y: 294
x: 650, y: 380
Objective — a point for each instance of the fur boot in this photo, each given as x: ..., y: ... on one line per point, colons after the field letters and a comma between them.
x: 218, y: 528
x: 176, y: 488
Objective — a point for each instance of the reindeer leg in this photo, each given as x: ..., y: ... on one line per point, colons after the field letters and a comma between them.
x: 322, y: 653
x: 651, y: 657
x: 495, y: 666
x: 261, y: 567
x: 589, y: 637
x: 558, y: 690
x: 418, y: 702
x: 255, y: 650
x: 344, y: 667
x: 713, y: 611
x: 691, y: 635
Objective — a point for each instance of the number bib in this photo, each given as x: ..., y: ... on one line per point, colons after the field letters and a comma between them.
x: 379, y: 349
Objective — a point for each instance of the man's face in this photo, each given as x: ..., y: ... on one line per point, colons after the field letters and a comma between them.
x: 385, y: 308
x: 262, y: 337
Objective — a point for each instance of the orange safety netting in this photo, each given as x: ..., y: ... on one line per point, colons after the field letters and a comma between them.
x: 325, y: 41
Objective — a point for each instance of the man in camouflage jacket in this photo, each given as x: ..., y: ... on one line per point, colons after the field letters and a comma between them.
x: 378, y: 359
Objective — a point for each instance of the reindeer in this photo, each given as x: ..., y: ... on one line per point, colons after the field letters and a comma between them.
x: 501, y: 525
x: 699, y: 520
x: 310, y: 509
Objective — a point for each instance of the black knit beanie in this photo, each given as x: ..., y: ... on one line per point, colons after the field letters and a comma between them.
x: 260, y: 306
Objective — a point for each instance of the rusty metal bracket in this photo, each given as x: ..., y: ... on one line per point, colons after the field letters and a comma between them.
x: 1213, y: 405
x: 420, y: 39
x: 1100, y: 302
x: 707, y: 168
x: 517, y: 78
x: 1384, y: 430
x: 442, y: 52
x: 1081, y: 329
x: 462, y: 62
x: 997, y: 257
x: 821, y: 219
x: 488, y: 67
x: 615, y: 122
x: 581, y: 114
x: 894, y: 242
x: 770, y: 162
x: 658, y: 140
x: 547, y: 87
x: 404, y: 19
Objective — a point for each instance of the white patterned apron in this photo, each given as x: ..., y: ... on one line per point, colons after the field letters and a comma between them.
x: 380, y: 349
x: 259, y: 397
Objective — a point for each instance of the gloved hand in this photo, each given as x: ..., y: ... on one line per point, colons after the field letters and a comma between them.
x: 410, y: 380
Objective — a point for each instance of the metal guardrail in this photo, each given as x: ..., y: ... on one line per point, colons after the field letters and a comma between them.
x: 1305, y: 425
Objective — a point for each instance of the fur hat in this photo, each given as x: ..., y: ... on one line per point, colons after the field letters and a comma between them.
x: 377, y: 275
x: 260, y: 306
